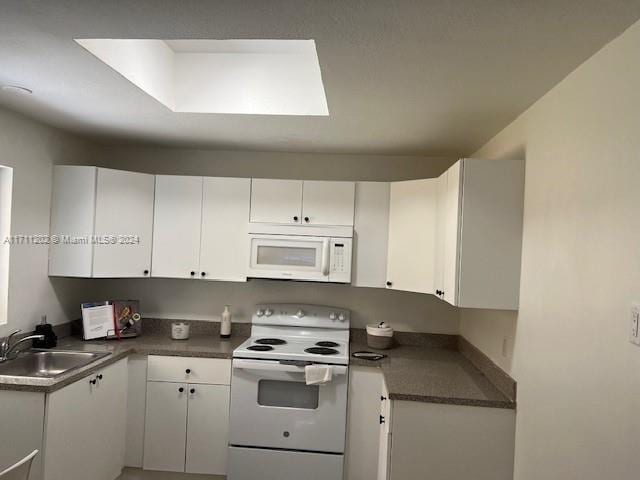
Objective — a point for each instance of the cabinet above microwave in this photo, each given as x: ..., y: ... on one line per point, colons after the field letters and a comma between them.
x: 302, y: 202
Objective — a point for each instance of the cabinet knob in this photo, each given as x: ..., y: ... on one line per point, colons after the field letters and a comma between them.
x: 295, y: 219
x: 382, y: 398
x: 193, y: 273
x: 99, y: 377
x: 306, y: 219
x: 192, y: 391
x: 203, y: 274
x: 146, y: 272
x: 188, y: 371
x: 93, y: 381
x: 181, y: 390
x: 389, y: 284
x: 381, y: 419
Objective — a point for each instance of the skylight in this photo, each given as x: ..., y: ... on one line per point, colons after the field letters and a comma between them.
x: 259, y: 77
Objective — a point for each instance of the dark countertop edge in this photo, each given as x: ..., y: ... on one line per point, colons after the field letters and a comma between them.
x: 469, y: 402
x: 115, y: 356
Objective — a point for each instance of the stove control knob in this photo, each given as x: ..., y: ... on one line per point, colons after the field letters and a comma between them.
x: 260, y: 313
x: 268, y: 312
x: 341, y: 317
x: 332, y: 316
x: 300, y: 313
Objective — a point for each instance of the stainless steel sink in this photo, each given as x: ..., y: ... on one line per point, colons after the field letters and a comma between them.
x: 48, y: 363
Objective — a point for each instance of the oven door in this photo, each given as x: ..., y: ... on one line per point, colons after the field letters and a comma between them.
x: 273, y: 407
x: 291, y: 257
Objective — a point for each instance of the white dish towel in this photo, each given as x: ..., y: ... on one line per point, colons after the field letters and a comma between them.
x: 318, y: 374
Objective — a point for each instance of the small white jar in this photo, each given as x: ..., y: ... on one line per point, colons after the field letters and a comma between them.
x: 180, y: 331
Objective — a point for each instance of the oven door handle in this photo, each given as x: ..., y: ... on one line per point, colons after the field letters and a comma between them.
x: 244, y: 364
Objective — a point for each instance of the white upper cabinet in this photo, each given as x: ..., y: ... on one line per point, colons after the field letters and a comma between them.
x: 176, y: 226
x: 371, y: 234
x: 104, y: 219
x: 276, y: 201
x: 479, y: 239
x: 328, y: 203
x: 200, y: 228
x: 300, y: 202
x: 412, y: 223
x: 224, y: 244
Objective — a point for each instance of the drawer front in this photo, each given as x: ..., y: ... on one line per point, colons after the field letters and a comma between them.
x: 213, y: 371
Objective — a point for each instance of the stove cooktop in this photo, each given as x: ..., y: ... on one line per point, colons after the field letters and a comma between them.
x: 294, y: 348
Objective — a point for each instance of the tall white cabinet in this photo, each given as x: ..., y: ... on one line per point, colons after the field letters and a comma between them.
x: 102, y: 222
x: 479, y: 234
x: 412, y: 224
x: 200, y: 227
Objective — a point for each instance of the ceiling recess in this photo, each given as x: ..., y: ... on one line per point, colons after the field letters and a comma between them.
x: 256, y: 77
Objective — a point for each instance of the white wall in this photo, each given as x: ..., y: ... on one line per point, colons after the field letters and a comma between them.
x: 31, y: 149
x: 578, y: 376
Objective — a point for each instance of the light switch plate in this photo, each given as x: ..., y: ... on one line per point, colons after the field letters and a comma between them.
x: 634, y: 332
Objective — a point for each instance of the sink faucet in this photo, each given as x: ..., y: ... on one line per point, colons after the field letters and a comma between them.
x: 7, y: 348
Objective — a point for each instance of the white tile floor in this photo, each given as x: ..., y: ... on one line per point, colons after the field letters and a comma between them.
x: 137, y: 474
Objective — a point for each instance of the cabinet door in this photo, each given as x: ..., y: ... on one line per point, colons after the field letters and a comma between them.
x: 371, y: 234
x: 165, y: 426
x: 439, y: 250
x: 412, y: 215
x: 224, y: 246
x: 85, y: 427
x: 384, y: 455
x: 207, y: 429
x: 328, y: 203
x: 361, y: 453
x: 124, y: 207
x: 176, y: 226
x: 73, y: 205
x: 109, y: 421
x: 276, y: 201
x: 451, y: 234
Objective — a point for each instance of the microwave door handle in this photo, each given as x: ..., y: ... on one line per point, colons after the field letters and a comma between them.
x: 325, y: 257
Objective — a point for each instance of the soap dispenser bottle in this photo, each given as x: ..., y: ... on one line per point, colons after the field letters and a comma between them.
x: 225, y: 323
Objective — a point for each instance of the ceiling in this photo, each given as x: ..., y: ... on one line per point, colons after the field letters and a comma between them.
x: 429, y: 77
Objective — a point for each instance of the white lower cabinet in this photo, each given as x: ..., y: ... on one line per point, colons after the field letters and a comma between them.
x: 405, y: 440
x: 186, y: 424
x: 85, y: 427
x: 207, y: 429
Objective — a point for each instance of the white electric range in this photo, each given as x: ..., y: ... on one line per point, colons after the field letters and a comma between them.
x: 280, y: 427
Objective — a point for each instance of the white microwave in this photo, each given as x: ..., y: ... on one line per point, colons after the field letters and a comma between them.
x: 317, y: 254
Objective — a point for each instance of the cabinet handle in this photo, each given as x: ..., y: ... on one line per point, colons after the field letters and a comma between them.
x: 187, y: 371
x: 389, y: 284
x: 99, y: 377
x: 202, y: 274
x: 381, y: 420
x: 193, y: 274
x: 146, y: 272
x: 295, y: 219
x: 93, y: 381
x: 192, y: 391
x: 382, y: 398
x: 181, y: 390
x: 306, y: 219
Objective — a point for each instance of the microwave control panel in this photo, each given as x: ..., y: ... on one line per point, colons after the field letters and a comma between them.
x: 340, y: 258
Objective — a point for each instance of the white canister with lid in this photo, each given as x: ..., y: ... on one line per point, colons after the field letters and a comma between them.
x: 379, y: 336
x: 180, y: 331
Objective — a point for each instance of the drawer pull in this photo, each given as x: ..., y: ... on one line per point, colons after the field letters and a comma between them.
x: 188, y: 371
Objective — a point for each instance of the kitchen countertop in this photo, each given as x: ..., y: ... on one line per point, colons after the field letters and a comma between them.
x: 207, y: 346
x: 413, y: 373
x: 433, y: 375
